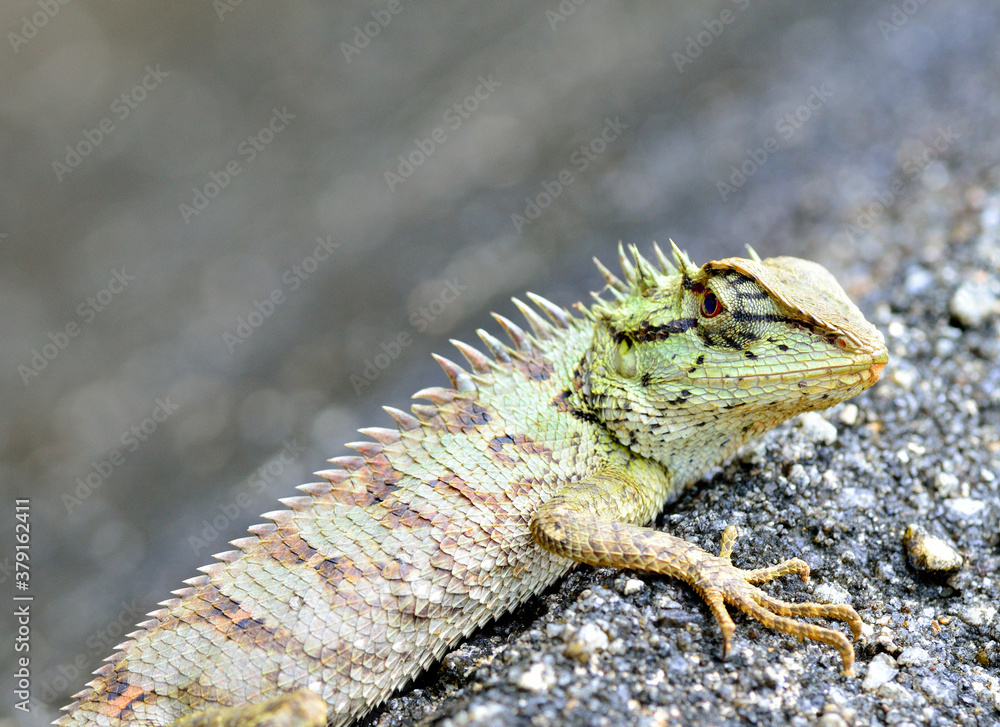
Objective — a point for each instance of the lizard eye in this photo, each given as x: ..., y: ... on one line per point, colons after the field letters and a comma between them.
x: 711, y: 306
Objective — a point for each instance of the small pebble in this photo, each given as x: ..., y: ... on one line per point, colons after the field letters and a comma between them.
x: 798, y: 475
x: 586, y: 642
x: 860, y: 497
x: 904, y: 378
x: 881, y: 670
x: 831, y: 593
x: 973, y: 303
x: 554, y: 630
x: 849, y: 415
x: 927, y: 553
x: 482, y: 713
x: 817, y: 429
x: 891, y: 692
x: 938, y: 690
x: 537, y: 679
x: 632, y: 586
x: 918, y: 280
x: 978, y: 615
x: 886, y: 641
x: 946, y: 484
x: 964, y: 507
x: 913, y: 656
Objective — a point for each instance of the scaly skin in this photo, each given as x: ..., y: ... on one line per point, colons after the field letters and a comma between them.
x: 558, y: 450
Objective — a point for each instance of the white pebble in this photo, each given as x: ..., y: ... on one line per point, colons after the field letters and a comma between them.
x: 586, y: 642
x: 882, y: 669
x: 929, y: 553
x: 831, y: 593
x: 632, y: 586
x: 913, y: 656
x: 817, y: 429
x: 973, y: 303
x: 849, y: 415
x: 904, y: 378
x: 964, y: 507
x: 946, y: 484
x: 537, y: 679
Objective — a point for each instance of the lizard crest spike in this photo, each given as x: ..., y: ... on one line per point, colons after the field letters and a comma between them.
x: 560, y: 449
x: 497, y: 349
x: 405, y: 422
x: 627, y: 268
x: 477, y: 359
x: 559, y: 316
x: 516, y: 334
x: 539, y: 327
x: 682, y: 261
x: 666, y: 267
x: 600, y: 309
x: 612, y: 280
x: 459, y: 377
x: 646, y: 277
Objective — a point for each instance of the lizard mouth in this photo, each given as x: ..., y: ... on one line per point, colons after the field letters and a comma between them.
x: 868, y: 373
x: 849, y: 375
x: 878, y: 363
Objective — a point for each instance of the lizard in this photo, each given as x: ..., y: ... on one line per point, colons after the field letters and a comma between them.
x: 558, y: 448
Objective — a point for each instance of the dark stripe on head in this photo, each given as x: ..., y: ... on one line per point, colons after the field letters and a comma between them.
x: 743, y: 316
x: 730, y: 342
x: 645, y: 332
x: 749, y: 317
x: 754, y: 295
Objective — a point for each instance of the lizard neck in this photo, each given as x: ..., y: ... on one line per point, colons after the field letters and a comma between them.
x: 686, y: 442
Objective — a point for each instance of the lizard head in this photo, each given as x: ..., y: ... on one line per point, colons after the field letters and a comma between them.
x: 712, y: 356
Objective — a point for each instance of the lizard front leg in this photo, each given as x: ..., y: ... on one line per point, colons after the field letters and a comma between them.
x: 591, y: 522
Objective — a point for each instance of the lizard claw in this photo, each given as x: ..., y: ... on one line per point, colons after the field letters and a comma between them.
x: 719, y: 582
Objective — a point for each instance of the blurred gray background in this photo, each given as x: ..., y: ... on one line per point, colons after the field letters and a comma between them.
x: 210, y: 276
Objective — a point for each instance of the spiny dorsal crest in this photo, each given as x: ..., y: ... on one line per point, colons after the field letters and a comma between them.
x: 639, y: 275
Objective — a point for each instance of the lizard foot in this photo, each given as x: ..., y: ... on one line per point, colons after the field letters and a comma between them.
x: 301, y: 708
x: 719, y: 582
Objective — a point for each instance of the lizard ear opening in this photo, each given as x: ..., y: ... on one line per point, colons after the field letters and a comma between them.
x: 625, y: 363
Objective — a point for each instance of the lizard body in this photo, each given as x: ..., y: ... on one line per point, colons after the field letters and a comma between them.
x: 558, y: 449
